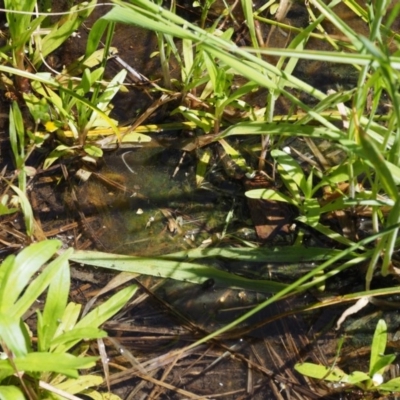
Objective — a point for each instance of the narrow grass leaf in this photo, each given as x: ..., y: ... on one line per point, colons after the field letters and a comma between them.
x: 377, y: 159
x: 178, y: 270
x: 288, y: 254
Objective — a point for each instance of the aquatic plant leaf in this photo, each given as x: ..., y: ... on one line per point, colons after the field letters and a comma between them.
x: 58, y: 152
x: 269, y: 194
x: 383, y: 362
x: 69, y: 318
x: 187, y: 51
x: 59, y: 267
x: 76, y: 335
x: 391, y: 386
x: 201, y: 166
x: 56, y: 299
x: 97, y: 317
x: 356, y: 377
x: 95, y: 395
x: 19, y: 271
x: 95, y: 34
x: 293, y: 172
x: 14, y: 335
x: 321, y: 372
x: 182, y: 271
x: 82, y: 383
x: 378, y: 346
x: 62, y: 363
x: 11, y: 392
x: 93, y: 150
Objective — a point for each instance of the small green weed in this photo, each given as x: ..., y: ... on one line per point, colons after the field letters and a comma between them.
x: 372, y: 380
x: 31, y: 367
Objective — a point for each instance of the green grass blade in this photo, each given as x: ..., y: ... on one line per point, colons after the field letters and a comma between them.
x: 182, y: 271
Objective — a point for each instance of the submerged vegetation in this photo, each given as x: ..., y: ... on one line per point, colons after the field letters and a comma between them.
x: 315, y: 159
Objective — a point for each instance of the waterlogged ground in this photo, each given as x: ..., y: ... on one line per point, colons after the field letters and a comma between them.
x: 144, y: 201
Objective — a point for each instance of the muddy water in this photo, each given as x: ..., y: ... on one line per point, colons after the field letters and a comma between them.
x: 165, y: 212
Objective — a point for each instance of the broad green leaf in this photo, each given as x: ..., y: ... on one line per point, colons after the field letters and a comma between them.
x: 39, y: 284
x: 100, y: 315
x: 96, y: 32
x: 201, y: 166
x: 56, y: 301
x: 292, y: 172
x: 69, y: 319
x: 26, y: 209
x: 82, y: 383
x: 95, y: 395
x: 183, y: 271
x: 109, y: 308
x: 25, y: 265
x: 203, y: 120
x: 187, y: 50
x: 60, y: 151
x: 312, y: 211
x: 13, y: 334
x: 4, y: 210
x: 391, y: 386
x: 269, y: 194
x: 383, y: 362
x: 234, y: 155
x: 378, y: 346
x: 86, y: 82
x: 11, y: 393
x: 321, y: 372
x: 212, y: 69
x: 356, y: 377
x: 93, y: 150
x: 62, y: 363
x: 77, y: 334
